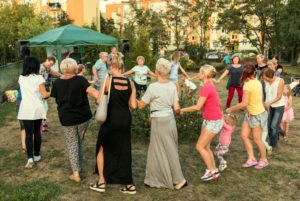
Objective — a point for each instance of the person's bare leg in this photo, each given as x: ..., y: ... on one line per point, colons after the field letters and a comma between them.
x: 211, y: 155
x: 286, y: 129
x: 245, y: 132
x: 100, y: 165
x: 205, y: 139
x: 258, y: 141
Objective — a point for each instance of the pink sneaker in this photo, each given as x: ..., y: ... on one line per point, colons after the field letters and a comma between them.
x: 261, y: 164
x: 249, y: 163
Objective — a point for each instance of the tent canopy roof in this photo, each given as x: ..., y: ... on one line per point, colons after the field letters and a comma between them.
x: 71, y: 35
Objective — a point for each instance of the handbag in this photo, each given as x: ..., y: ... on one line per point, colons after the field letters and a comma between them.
x: 101, y: 112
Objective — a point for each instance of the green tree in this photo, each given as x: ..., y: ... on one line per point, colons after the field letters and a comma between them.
x: 64, y: 19
x: 107, y: 26
x: 256, y: 19
x: 290, y: 28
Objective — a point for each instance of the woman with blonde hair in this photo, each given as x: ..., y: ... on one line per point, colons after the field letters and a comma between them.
x: 272, y: 64
x: 113, y: 149
x: 163, y: 167
x: 260, y: 66
x: 210, y: 104
x: 71, y: 94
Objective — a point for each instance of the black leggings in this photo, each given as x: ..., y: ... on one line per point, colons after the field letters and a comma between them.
x: 32, y: 127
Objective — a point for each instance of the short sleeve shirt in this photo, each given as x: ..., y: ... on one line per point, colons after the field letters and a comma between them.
x: 32, y: 104
x: 140, y: 74
x: 72, y: 101
x: 101, y: 71
x: 160, y: 96
x: 227, y: 59
x: 255, y: 105
x: 211, y: 109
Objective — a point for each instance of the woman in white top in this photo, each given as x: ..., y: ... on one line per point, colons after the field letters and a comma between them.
x: 163, y: 168
x: 274, y: 103
x: 32, y: 109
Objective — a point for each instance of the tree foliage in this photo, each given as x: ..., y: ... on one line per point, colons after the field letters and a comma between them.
x: 290, y: 28
x: 18, y: 21
x: 64, y: 19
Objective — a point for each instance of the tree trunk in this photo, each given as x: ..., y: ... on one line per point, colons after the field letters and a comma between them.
x: 295, y: 55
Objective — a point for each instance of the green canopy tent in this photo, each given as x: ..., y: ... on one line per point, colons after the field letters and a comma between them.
x: 70, y: 35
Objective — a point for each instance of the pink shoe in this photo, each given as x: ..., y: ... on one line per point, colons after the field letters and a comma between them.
x: 261, y: 164
x: 249, y: 163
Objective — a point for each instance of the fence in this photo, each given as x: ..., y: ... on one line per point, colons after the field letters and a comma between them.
x: 9, y: 75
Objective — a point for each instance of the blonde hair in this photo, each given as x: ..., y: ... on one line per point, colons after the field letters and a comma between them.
x: 288, y: 87
x: 68, y: 65
x: 209, y: 71
x: 117, y: 63
x: 81, y: 69
x: 272, y: 61
x: 230, y: 119
x: 140, y: 57
x: 260, y: 55
x: 163, y: 67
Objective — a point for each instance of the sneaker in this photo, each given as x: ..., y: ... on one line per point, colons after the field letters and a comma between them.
x: 249, y: 163
x: 210, y: 175
x: 222, y: 167
x: 37, y: 158
x: 261, y: 164
x: 128, y: 190
x: 269, y: 151
x: 29, y: 164
x: 98, y: 187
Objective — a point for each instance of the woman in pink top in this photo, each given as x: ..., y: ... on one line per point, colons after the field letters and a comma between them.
x: 209, y: 102
x: 225, y: 140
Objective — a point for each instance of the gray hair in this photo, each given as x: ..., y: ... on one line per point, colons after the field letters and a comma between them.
x: 68, y: 65
x: 163, y: 67
x: 101, y: 54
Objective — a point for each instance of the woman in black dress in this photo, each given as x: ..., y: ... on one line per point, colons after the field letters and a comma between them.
x: 113, y: 147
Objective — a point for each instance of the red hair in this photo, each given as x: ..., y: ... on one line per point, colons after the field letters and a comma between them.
x: 249, y: 72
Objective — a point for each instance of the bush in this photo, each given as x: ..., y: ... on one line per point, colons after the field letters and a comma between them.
x: 195, y: 52
x: 188, y: 125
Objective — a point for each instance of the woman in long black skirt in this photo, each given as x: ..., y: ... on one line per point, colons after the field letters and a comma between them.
x: 113, y: 147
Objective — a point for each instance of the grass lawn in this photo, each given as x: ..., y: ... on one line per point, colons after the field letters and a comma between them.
x: 48, y: 180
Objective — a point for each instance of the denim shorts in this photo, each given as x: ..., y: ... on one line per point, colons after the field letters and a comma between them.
x: 214, y: 126
x: 257, y: 120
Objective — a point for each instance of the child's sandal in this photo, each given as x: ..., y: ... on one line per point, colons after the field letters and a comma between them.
x: 128, y: 190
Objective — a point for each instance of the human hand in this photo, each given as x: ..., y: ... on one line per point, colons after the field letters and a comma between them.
x: 267, y: 106
x: 228, y: 110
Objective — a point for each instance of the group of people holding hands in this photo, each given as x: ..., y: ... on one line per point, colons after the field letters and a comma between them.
x: 261, y: 94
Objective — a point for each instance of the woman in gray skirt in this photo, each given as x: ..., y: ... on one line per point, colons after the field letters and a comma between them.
x: 163, y: 167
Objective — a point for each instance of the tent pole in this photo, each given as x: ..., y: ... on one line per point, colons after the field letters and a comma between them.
x: 59, y: 58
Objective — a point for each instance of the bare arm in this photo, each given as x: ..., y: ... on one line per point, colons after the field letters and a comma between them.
x: 54, y: 73
x: 91, y: 91
x: 151, y: 73
x: 241, y: 105
x: 43, y: 91
x: 95, y: 73
x: 278, y: 96
x: 183, y: 72
x: 222, y: 76
x: 196, y: 107
x: 128, y: 73
x: 290, y: 103
x: 132, y: 100
x: 176, y: 107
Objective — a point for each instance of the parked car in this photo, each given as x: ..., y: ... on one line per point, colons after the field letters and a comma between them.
x: 212, y: 55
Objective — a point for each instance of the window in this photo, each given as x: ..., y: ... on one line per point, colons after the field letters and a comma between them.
x: 233, y: 36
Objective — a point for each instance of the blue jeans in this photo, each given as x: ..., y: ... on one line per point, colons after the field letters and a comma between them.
x: 275, y: 116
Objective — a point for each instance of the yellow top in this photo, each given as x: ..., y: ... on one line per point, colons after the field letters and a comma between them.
x: 255, y: 105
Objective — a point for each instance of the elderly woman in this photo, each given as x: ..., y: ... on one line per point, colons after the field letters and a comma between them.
x: 274, y: 103
x: 100, y: 69
x: 163, y: 167
x: 70, y: 92
x: 113, y: 149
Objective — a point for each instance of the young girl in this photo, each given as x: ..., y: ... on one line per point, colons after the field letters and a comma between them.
x: 225, y: 139
x: 140, y: 75
x: 209, y: 102
x: 288, y: 114
x: 175, y: 66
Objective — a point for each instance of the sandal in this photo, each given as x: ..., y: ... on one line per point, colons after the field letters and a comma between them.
x: 98, y: 187
x: 128, y: 190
